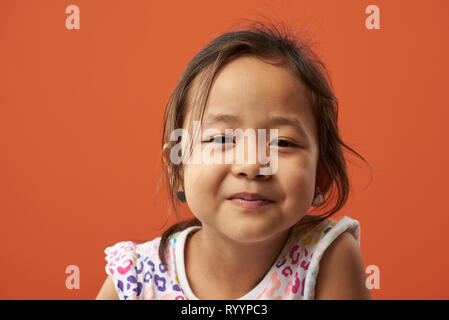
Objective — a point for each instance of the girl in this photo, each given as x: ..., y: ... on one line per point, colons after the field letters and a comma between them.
x: 251, y: 237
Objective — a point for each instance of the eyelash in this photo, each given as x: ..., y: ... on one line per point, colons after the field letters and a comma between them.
x: 290, y: 144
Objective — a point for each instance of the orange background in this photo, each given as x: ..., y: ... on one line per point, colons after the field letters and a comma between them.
x: 81, y: 125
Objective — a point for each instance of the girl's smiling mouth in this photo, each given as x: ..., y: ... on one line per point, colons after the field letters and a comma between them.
x: 250, y: 200
x: 250, y: 204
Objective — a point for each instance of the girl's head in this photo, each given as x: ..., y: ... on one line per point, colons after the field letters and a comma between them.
x: 255, y: 77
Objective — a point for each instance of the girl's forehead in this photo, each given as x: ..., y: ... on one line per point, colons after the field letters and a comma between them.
x: 248, y: 85
x: 252, y: 90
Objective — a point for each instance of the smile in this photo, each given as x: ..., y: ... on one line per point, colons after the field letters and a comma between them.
x: 250, y: 204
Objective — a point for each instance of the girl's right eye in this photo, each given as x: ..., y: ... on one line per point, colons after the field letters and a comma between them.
x: 219, y: 139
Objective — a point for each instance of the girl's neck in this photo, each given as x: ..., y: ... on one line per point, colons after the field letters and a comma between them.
x: 218, y: 268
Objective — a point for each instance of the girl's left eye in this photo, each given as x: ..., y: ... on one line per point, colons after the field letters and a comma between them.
x: 220, y: 139
x: 285, y: 143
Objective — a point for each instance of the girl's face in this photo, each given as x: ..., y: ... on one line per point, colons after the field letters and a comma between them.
x: 254, y: 92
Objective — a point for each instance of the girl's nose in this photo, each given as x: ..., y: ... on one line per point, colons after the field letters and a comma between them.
x: 249, y: 164
x: 250, y: 171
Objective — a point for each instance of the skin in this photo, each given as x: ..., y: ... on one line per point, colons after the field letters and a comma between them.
x: 236, y: 247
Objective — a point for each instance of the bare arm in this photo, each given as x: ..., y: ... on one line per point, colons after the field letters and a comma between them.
x: 342, y: 275
x: 107, y: 291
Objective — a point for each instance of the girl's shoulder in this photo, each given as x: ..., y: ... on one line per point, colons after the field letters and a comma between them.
x: 135, y: 267
x: 328, y: 229
x: 132, y: 252
x: 306, y: 246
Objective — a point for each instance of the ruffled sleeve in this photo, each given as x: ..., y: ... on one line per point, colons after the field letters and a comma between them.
x: 121, y: 259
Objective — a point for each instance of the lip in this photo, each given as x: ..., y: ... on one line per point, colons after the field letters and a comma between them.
x: 250, y: 200
x: 250, y: 204
x: 249, y: 196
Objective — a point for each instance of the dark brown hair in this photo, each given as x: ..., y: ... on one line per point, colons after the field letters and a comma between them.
x: 283, y: 48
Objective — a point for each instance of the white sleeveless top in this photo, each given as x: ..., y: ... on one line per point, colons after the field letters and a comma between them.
x: 138, y: 273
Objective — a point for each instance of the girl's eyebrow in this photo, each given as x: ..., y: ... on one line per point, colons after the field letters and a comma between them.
x: 273, y: 121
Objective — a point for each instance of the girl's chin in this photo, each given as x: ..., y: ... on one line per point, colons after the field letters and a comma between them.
x: 249, y: 232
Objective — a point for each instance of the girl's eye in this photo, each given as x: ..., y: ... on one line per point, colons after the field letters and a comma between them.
x: 284, y: 143
x: 227, y: 139
x: 220, y: 139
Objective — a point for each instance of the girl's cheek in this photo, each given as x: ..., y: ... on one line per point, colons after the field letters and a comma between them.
x: 294, y: 177
x: 200, y: 176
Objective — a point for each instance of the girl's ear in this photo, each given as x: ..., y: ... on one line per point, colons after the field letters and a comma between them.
x: 166, y: 157
x: 322, y: 178
x: 166, y: 154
